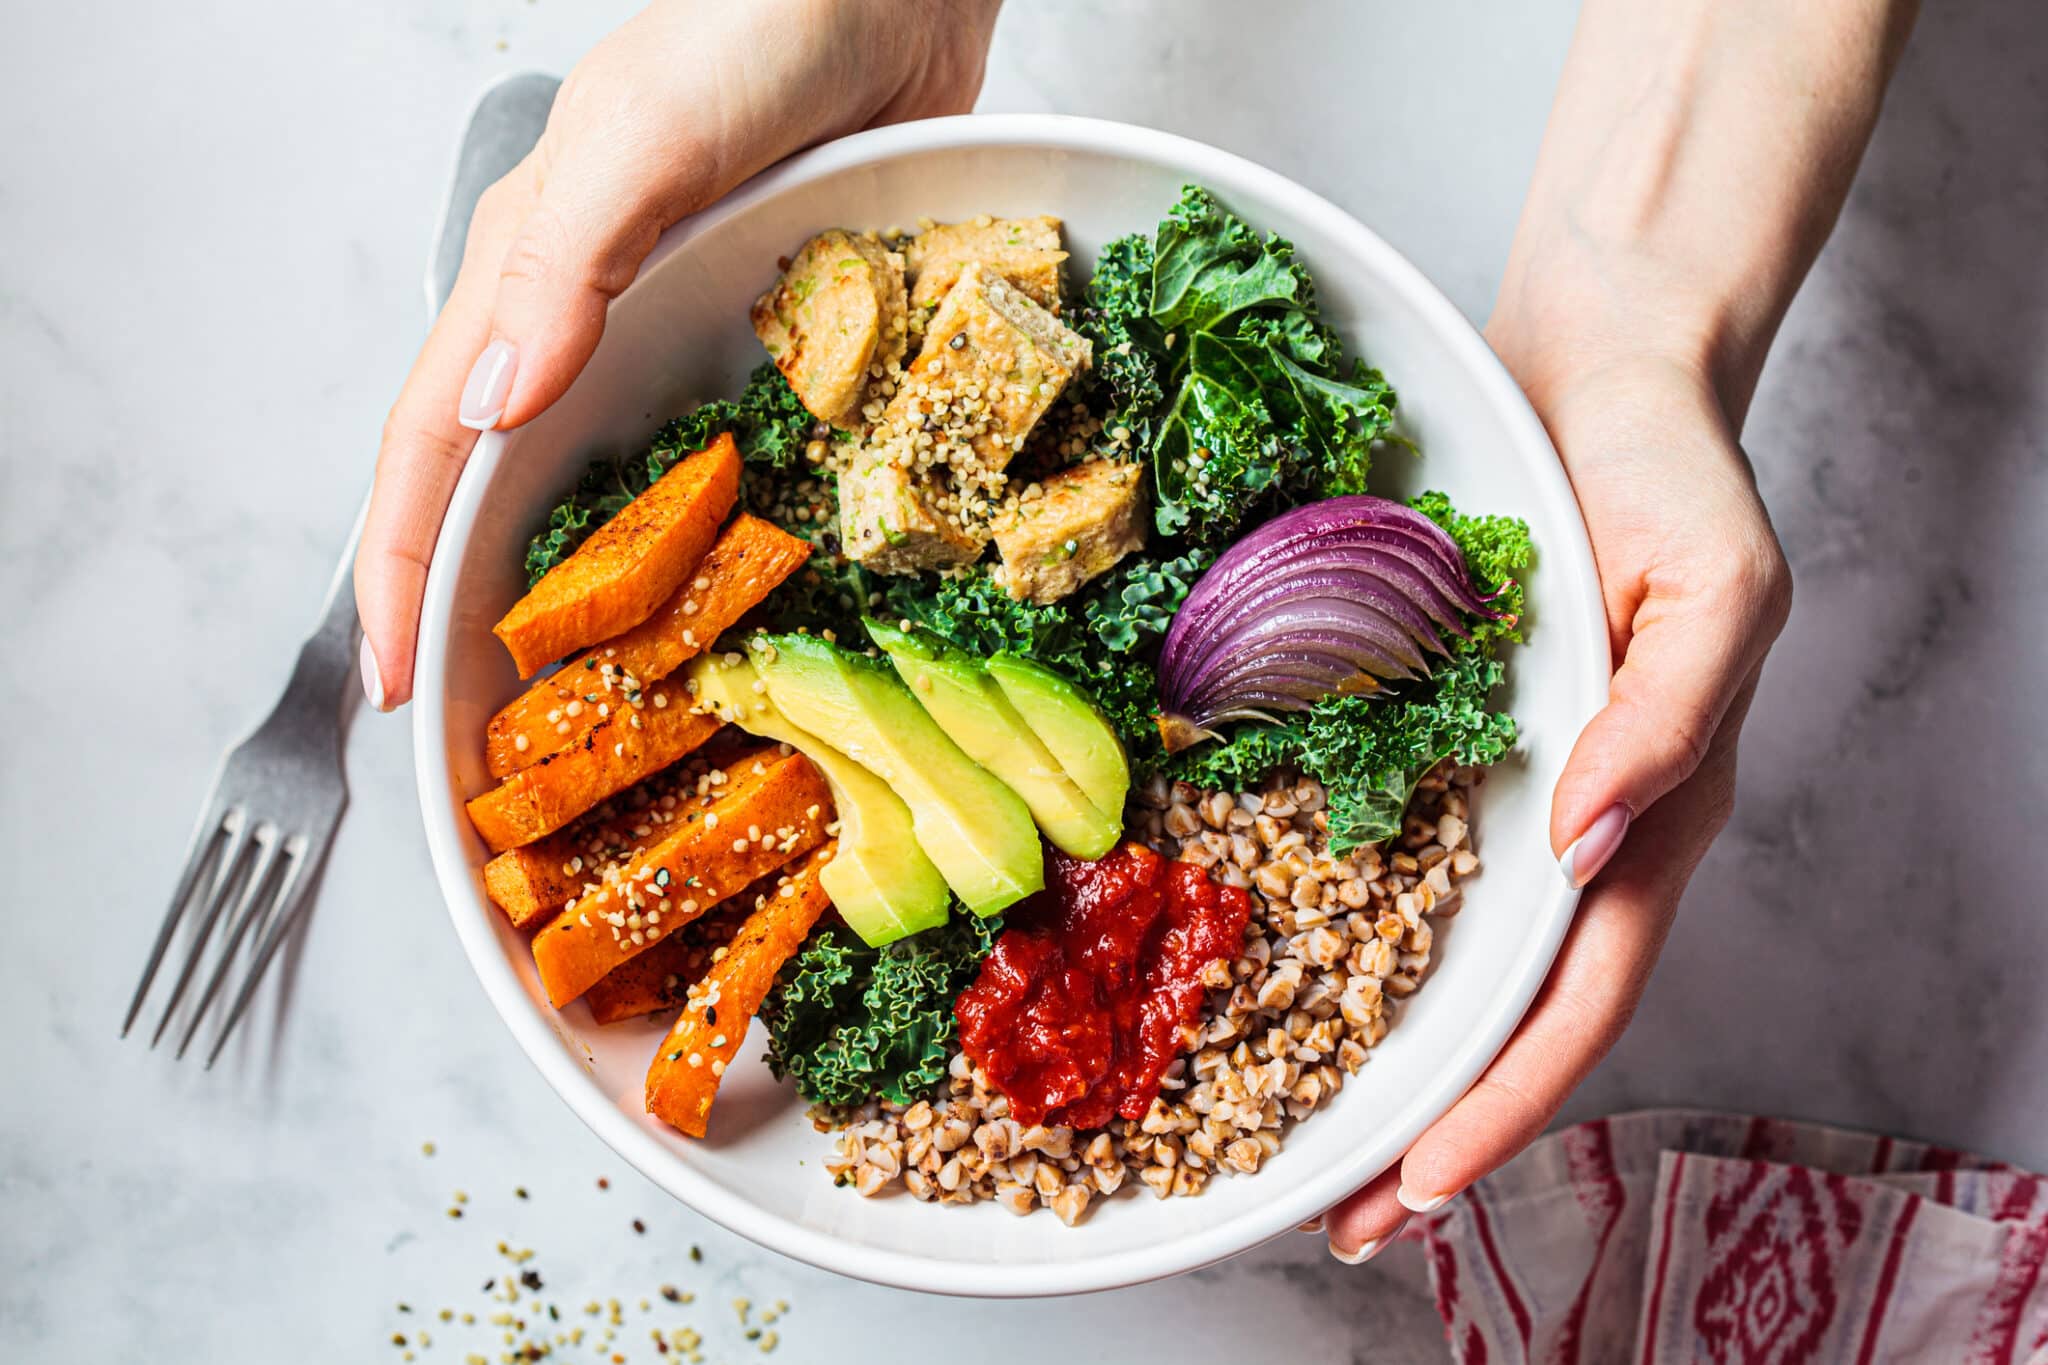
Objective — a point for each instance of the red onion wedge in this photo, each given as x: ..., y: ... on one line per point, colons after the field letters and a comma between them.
x: 1338, y: 596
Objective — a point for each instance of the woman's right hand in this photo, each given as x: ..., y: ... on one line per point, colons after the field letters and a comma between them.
x: 674, y: 109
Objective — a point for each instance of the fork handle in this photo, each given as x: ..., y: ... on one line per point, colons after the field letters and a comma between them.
x: 327, y: 660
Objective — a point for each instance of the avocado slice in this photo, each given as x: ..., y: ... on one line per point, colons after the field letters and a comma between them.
x: 976, y: 830
x: 952, y: 685
x: 880, y: 881
x: 1066, y: 721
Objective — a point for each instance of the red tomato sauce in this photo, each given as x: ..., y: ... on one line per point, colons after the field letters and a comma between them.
x: 1078, y: 1011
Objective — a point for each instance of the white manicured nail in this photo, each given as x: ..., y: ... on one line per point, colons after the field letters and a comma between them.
x: 488, y: 386
x: 1416, y: 1203
x: 1590, y: 852
x: 1366, y: 1251
x: 373, y: 681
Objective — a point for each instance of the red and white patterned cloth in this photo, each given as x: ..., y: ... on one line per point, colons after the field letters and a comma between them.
x: 1672, y: 1237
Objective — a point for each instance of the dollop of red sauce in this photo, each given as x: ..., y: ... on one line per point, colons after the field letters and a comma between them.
x: 1079, y: 1009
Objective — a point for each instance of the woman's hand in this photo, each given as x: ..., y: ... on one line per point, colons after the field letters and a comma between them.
x: 1696, y: 157
x: 674, y: 109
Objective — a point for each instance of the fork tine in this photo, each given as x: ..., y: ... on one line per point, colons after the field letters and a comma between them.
x: 200, y: 856
x: 231, y: 879
x: 263, y: 890
x: 292, y: 903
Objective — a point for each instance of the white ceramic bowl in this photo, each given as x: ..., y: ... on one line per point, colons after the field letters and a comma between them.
x: 679, y: 335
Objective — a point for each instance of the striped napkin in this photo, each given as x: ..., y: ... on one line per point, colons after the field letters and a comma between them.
x: 1670, y: 1237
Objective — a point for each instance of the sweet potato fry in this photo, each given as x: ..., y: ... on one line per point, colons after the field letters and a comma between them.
x: 769, y: 809
x: 684, y: 1077
x: 633, y: 742
x: 629, y: 564
x: 532, y: 883
x: 660, y: 978
x: 749, y: 558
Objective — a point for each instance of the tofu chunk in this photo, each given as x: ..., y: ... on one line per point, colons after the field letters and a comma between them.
x: 1024, y: 251
x: 839, y: 309
x: 1085, y: 518
x: 992, y: 363
x: 894, y: 521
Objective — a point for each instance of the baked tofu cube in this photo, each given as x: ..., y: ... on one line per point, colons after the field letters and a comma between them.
x: 1024, y: 251
x: 891, y: 521
x: 838, y: 310
x: 993, y: 362
x: 1082, y: 520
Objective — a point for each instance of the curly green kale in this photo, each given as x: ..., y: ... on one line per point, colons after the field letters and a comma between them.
x: 1370, y: 750
x: 767, y: 421
x: 848, y: 1022
x: 1122, y: 380
x: 1210, y: 350
x: 1496, y: 549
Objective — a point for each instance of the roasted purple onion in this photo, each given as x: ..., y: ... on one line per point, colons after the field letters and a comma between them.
x: 1343, y: 595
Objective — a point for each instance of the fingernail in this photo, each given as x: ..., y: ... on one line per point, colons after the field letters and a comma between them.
x: 1589, y: 852
x: 488, y: 386
x: 1417, y: 1203
x: 1366, y: 1251
x: 373, y: 681
x: 1314, y: 1224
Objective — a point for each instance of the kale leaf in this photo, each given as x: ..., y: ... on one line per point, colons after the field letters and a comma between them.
x: 849, y: 1022
x: 767, y: 421
x: 1209, y: 349
x: 1367, y: 751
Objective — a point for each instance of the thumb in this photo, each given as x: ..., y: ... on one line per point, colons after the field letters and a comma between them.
x: 1687, y: 659
x: 592, y: 224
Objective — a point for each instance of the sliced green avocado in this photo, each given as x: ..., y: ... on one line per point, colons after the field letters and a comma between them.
x: 977, y: 831
x: 1067, y: 722
x: 880, y: 880
x: 952, y: 685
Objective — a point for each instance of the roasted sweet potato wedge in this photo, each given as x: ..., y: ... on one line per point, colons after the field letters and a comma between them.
x: 660, y: 978
x: 769, y: 809
x: 684, y: 1077
x: 531, y: 883
x: 629, y: 566
x: 633, y: 742
x: 746, y: 562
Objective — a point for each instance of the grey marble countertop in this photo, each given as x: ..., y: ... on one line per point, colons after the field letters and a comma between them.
x: 214, y: 219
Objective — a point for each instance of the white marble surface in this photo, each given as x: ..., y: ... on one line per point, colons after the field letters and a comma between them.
x: 214, y: 217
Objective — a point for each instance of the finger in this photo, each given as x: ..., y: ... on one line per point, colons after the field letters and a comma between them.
x: 1366, y: 1220
x: 422, y: 454
x: 1591, y: 993
x: 1686, y: 659
x: 593, y: 223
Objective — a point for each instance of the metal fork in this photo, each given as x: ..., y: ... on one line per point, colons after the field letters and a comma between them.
x: 265, y: 829
x: 264, y: 832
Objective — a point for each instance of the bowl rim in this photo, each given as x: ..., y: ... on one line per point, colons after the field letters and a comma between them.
x: 1572, y: 587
